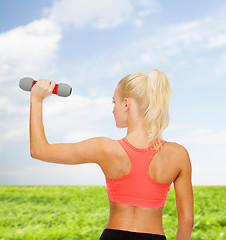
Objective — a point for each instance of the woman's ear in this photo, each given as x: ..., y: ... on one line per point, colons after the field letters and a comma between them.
x: 127, y: 102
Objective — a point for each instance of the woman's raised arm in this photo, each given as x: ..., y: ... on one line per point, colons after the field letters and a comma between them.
x: 91, y: 150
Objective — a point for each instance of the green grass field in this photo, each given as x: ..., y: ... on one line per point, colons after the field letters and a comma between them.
x: 81, y: 212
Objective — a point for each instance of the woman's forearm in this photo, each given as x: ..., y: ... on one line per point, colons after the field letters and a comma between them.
x: 38, y: 141
x: 184, y: 231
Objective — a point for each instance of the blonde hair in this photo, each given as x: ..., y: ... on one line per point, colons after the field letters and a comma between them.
x: 152, y: 93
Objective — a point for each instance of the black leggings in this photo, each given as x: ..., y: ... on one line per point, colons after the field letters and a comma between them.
x: 115, y: 234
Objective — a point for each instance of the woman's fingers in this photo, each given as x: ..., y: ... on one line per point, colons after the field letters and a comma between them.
x: 52, y: 85
x: 42, y: 89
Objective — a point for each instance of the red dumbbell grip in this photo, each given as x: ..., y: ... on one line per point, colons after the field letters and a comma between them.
x: 54, y: 90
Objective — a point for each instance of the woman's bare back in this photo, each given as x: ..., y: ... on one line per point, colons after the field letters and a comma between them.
x: 164, y: 169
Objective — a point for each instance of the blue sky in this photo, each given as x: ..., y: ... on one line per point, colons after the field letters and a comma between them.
x: 91, y: 45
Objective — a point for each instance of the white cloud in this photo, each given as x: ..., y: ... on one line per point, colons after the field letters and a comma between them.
x: 149, y: 7
x: 217, y: 41
x: 76, y: 113
x: 99, y: 14
x: 31, y: 49
x: 180, y: 127
x: 178, y: 43
x: 209, y: 175
x: 81, y: 113
x: 138, y: 22
x: 200, y: 132
x: 203, y: 137
x: 28, y: 49
x: 54, y: 174
x: 189, y: 134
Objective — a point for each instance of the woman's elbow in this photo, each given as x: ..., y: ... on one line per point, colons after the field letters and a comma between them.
x: 36, y: 154
x: 33, y: 154
x: 189, y: 221
x: 39, y: 152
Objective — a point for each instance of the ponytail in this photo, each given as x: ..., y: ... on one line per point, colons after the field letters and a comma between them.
x: 152, y: 93
x: 156, y: 115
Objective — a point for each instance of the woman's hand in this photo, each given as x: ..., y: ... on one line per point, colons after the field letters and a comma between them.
x: 42, y: 89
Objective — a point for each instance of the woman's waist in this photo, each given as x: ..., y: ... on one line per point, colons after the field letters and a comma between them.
x: 134, y: 224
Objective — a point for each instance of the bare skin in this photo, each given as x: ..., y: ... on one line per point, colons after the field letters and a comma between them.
x: 170, y: 164
x: 133, y: 218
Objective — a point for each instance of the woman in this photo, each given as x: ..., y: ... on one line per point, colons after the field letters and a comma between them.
x: 139, y: 168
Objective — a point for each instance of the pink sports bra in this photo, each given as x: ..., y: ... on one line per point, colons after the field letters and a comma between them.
x: 137, y: 188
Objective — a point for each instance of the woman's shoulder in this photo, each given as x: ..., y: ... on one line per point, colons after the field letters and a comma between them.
x: 178, y: 153
x: 107, y: 144
x: 176, y: 148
